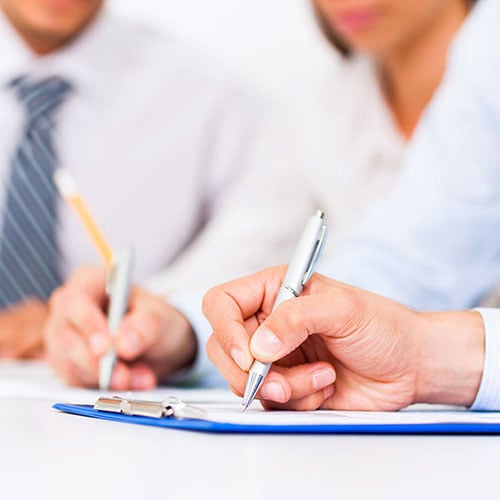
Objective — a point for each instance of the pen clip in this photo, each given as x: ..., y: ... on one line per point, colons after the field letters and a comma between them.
x: 318, y: 248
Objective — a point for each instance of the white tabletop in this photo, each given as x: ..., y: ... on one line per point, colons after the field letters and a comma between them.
x: 45, y: 454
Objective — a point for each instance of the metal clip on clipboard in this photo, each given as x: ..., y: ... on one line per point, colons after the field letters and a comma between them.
x: 171, y: 407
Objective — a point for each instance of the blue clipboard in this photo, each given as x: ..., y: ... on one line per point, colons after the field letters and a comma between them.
x: 221, y: 427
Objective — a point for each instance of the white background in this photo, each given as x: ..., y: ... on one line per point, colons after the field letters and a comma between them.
x: 272, y: 43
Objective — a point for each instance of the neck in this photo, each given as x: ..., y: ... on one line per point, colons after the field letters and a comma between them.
x: 412, y: 72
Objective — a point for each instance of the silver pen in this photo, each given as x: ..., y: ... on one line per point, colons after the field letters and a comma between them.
x: 117, y: 287
x: 299, y: 271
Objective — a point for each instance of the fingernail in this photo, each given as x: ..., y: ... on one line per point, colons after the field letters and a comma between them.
x: 131, y: 343
x: 98, y: 344
x: 273, y: 391
x: 265, y: 343
x: 239, y: 358
x: 323, y: 377
x: 328, y: 391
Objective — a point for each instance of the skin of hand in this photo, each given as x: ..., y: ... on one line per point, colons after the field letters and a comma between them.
x: 340, y: 347
x: 154, y: 340
x: 21, y: 328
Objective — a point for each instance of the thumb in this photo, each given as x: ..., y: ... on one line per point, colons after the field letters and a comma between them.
x: 91, y: 280
x: 334, y: 312
x: 287, y: 328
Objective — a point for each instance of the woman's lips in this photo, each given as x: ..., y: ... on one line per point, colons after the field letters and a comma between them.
x: 355, y: 21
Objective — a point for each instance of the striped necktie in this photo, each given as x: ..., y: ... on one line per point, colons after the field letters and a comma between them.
x: 29, y: 256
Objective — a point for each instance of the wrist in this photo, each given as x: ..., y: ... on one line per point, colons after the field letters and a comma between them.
x: 450, y: 357
x: 180, y: 343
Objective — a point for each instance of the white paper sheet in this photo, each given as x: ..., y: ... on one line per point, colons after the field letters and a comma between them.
x: 418, y: 414
x: 35, y: 380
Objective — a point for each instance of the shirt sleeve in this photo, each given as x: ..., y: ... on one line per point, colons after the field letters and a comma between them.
x: 202, y: 372
x: 488, y: 396
x: 254, y: 224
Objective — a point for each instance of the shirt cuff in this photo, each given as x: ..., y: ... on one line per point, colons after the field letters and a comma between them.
x: 202, y: 372
x: 488, y: 396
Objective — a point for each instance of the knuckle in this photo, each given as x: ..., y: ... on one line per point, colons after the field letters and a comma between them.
x: 349, y: 300
x: 210, y: 347
x: 151, y: 325
x: 209, y: 299
x: 236, y: 390
x: 58, y: 298
x: 311, y: 403
x: 49, y: 332
x: 147, y: 322
x: 227, y: 341
x: 87, y: 317
x: 84, y: 272
x: 348, y: 304
x: 292, y: 314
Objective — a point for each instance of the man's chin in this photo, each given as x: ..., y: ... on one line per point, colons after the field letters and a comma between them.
x: 50, y: 23
x: 63, y: 6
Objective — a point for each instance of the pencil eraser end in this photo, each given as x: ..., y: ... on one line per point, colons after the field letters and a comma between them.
x: 65, y: 183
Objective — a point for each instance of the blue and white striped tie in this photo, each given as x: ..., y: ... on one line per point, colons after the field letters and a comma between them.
x: 29, y: 256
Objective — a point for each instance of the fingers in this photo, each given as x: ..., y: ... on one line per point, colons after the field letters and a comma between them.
x: 295, y: 320
x: 311, y: 402
x: 140, y: 328
x: 285, y: 330
x: 285, y: 384
x: 90, y: 280
x: 71, y: 359
x: 232, y: 373
x: 136, y: 377
x: 76, y: 331
x: 302, y: 387
x: 73, y: 312
x: 243, y: 297
x: 156, y: 333
x: 233, y: 309
x: 81, y: 312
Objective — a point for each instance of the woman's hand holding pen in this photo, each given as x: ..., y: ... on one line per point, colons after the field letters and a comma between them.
x: 339, y: 347
x: 154, y: 339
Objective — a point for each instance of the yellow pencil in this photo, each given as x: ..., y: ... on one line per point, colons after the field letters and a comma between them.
x: 68, y: 189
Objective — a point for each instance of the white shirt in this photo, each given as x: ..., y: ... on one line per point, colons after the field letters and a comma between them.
x: 338, y: 149
x: 153, y: 134
x: 435, y: 242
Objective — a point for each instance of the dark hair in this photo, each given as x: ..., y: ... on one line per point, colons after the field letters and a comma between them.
x: 335, y: 39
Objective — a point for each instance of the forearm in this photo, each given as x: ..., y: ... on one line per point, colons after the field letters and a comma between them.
x: 201, y: 371
x: 450, y: 362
